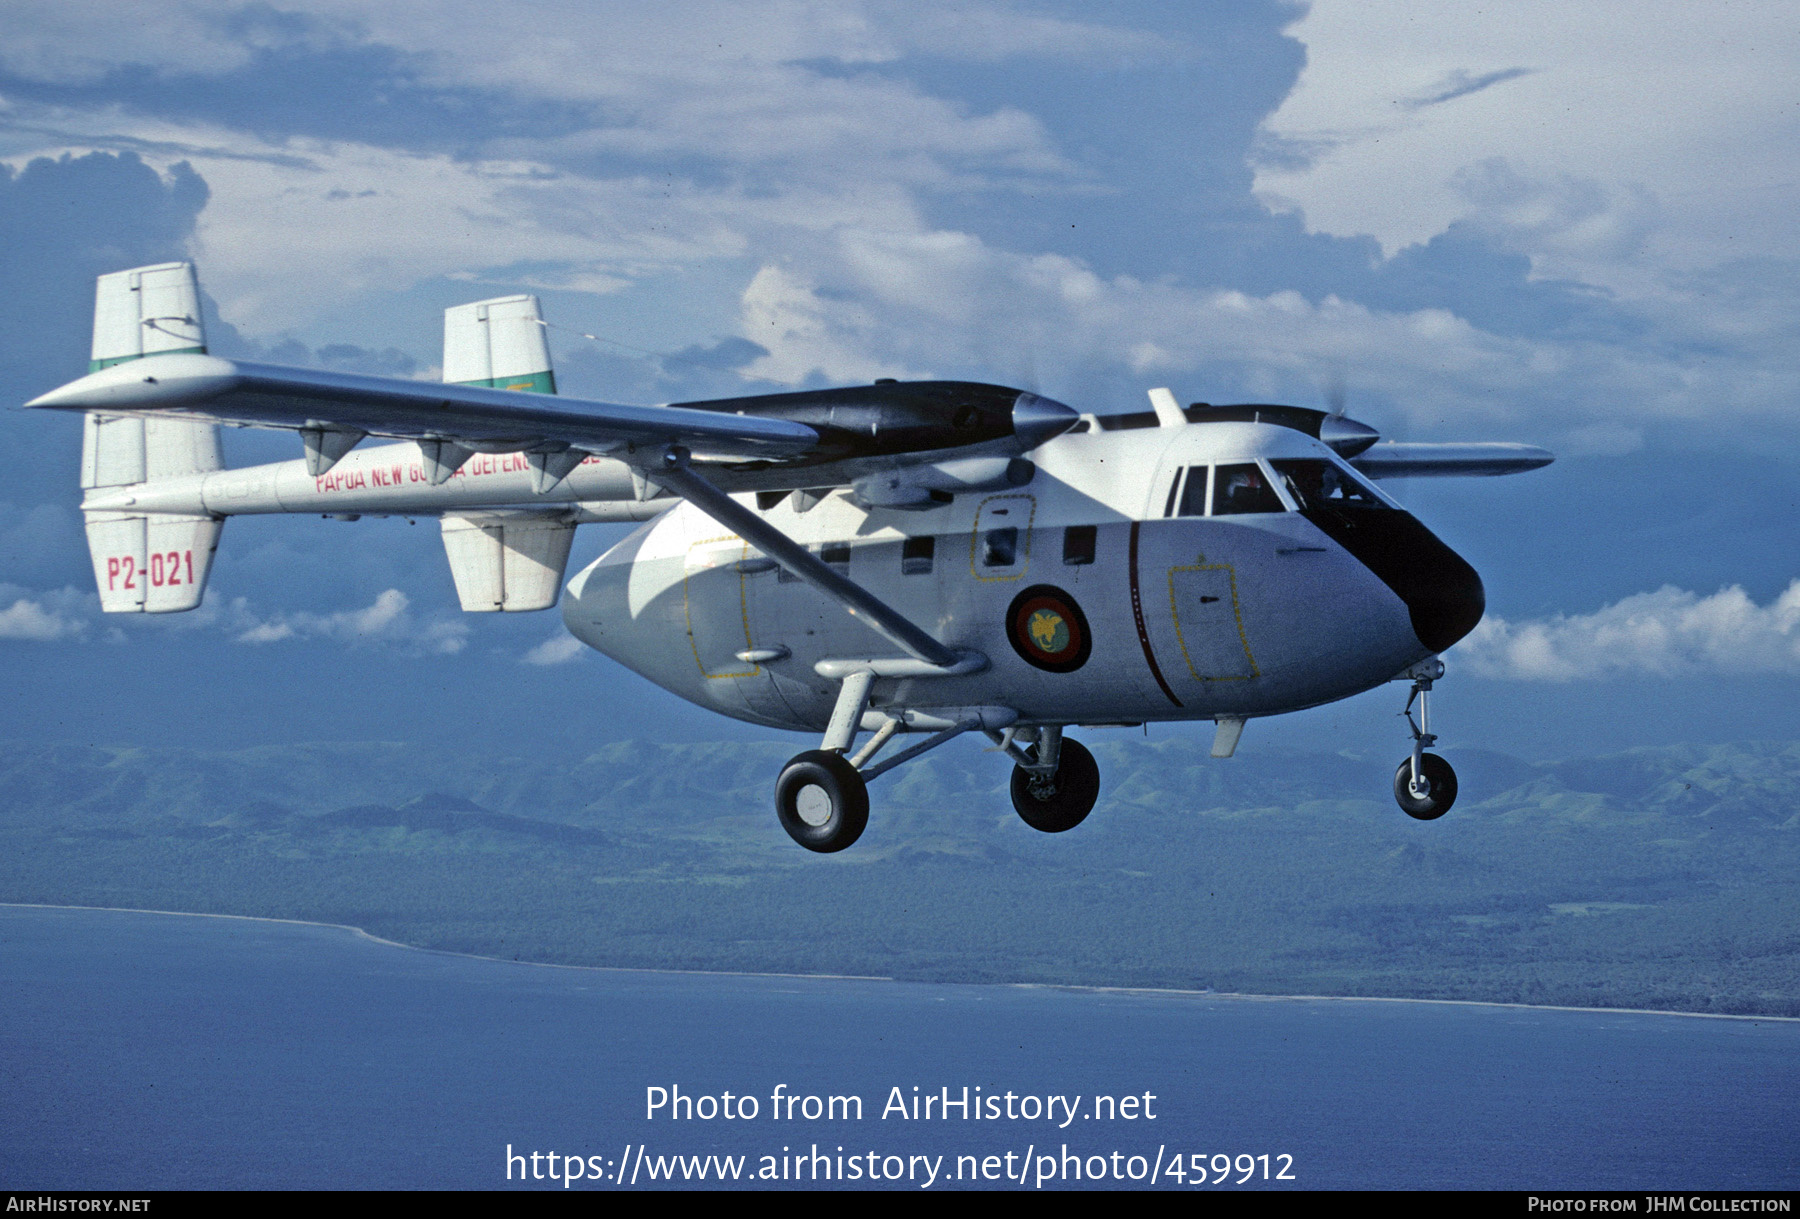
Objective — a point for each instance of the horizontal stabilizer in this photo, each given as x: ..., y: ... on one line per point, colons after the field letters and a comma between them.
x: 1394, y: 459
x: 511, y: 561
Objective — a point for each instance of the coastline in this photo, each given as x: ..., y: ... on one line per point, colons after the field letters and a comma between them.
x: 1077, y: 988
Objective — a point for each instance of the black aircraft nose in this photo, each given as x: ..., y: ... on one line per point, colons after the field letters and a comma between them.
x: 1441, y: 591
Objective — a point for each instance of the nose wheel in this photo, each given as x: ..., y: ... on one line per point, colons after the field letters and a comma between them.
x: 1425, y: 784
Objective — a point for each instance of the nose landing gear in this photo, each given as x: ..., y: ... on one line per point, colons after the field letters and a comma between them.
x: 1425, y: 784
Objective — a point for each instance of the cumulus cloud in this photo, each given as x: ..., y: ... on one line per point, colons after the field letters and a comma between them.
x: 554, y: 48
x: 752, y: 107
x: 45, y: 617
x: 918, y: 302
x: 68, y: 615
x: 674, y: 154
x: 559, y: 649
x: 1667, y: 633
x: 1681, y: 116
x: 388, y: 620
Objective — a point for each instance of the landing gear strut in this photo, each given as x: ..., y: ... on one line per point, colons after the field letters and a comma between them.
x: 1058, y: 783
x: 822, y: 797
x: 1425, y: 784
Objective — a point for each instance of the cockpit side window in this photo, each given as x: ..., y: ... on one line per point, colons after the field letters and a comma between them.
x: 1193, y: 493
x: 1239, y: 489
x: 1316, y: 483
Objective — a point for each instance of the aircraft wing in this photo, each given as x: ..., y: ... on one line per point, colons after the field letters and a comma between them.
x: 236, y: 392
x: 1396, y: 459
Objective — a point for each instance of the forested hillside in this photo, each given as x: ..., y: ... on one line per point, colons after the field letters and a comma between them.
x: 1657, y: 878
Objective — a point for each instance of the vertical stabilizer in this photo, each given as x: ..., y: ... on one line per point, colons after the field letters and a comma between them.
x: 149, y: 311
x: 151, y: 564
x: 499, y: 344
x: 511, y: 561
x: 148, y: 563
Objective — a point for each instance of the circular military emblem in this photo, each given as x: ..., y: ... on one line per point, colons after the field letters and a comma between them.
x: 1047, y: 628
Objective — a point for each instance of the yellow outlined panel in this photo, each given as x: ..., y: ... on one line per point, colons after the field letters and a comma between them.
x: 687, y: 602
x: 983, y: 522
x: 1216, y: 656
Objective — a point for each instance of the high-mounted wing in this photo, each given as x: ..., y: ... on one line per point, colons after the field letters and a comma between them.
x: 218, y: 390
x: 1354, y: 441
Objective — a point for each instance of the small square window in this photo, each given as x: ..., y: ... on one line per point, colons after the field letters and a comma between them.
x: 1001, y: 548
x: 837, y: 553
x: 1078, y: 545
x: 916, y: 555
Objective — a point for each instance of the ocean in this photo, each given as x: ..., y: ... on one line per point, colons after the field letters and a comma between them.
x: 158, y: 1051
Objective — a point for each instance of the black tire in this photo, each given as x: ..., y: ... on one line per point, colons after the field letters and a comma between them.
x: 1073, y: 791
x: 1439, y: 778
x: 822, y: 801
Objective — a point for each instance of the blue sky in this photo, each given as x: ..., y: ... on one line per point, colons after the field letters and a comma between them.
x: 1567, y: 224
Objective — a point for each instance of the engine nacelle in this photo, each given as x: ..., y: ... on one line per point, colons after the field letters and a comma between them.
x: 936, y: 484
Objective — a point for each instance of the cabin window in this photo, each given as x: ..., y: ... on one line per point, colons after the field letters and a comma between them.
x: 1239, y: 489
x: 1193, y: 493
x: 1078, y: 545
x: 1316, y: 483
x: 1174, y: 493
x: 1000, y: 547
x: 916, y: 555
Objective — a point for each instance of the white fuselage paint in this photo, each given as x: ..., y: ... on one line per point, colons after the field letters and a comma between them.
x: 1241, y: 615
x: 380, y: 478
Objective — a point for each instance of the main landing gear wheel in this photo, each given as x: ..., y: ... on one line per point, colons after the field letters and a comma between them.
x: 1433, y: 795
x: 822, y: 801
x: 1060, y: 801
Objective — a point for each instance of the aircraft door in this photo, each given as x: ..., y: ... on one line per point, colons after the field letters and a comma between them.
x: 718, y: 624
x: 1209, y: 624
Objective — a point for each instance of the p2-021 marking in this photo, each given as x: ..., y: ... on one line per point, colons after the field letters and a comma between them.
x: 165, y: 570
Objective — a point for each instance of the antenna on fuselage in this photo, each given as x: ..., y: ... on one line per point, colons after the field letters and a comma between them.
x: 1168, y: 411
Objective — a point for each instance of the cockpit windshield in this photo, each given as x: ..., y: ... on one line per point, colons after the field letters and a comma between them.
x: 1315, y: 483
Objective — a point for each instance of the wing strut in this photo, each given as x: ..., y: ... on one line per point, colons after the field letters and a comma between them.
x: 678, y: 476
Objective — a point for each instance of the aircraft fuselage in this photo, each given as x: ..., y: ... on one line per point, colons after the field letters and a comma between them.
x: 1093, y: 599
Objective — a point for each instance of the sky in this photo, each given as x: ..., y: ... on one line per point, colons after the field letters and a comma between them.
x: 1565, y: 224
